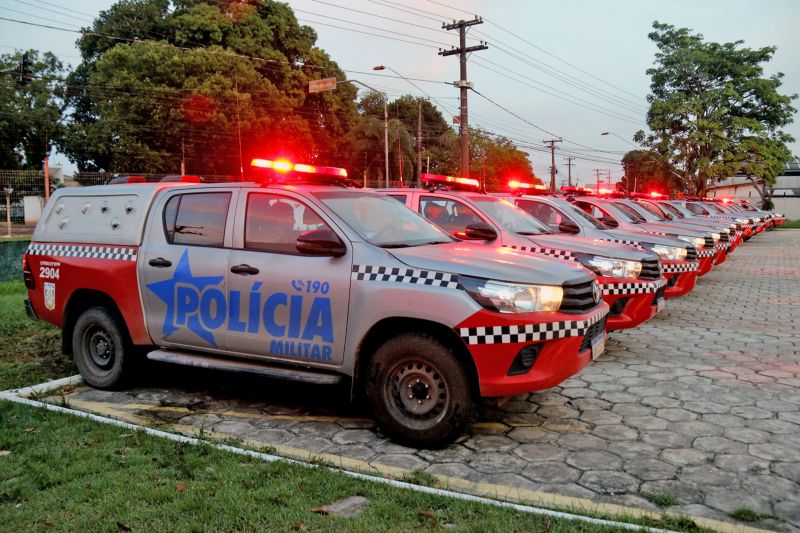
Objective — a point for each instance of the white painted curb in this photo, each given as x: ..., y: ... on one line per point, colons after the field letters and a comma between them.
x: 19, y: 396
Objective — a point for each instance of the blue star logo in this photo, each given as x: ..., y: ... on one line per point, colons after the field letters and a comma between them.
x: 166, y: 290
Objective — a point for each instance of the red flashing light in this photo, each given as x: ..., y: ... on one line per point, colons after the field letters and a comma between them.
x: 604, y: 191
x: 656, y: 194
x: 514, y: 184
x: 726, y: 200
x: 439, y: 178
x: 283, y: 166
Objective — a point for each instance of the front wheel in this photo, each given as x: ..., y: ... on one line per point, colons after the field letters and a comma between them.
x: 103, y: 351
x: 419, y: 391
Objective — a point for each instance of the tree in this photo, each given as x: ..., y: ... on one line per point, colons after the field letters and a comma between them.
x: 761, y: 160
x: 646, y: 171
x: 188, y: 76
x: 705, y: 99
x: 31, y: 110
x: 495, y: 160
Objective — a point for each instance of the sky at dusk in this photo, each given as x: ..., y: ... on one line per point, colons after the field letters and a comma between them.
x: 571, y: 69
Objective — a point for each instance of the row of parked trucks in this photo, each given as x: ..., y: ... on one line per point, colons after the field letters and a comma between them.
x: 420, y: 300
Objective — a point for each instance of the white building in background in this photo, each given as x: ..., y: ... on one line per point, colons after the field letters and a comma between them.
x: 785, y: 196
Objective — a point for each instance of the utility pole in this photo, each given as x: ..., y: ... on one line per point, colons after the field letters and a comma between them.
x: 569, y: 170
x: 597, y: 176
x: 463, y: 84
x: 552, y: 143
x: 8, y: 191
x: 399, y: 158
x: 419, y: 138
x: 239, y: 129
x: 183, y: 158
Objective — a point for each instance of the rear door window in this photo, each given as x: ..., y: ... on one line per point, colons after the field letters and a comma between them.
x: 197, y: 219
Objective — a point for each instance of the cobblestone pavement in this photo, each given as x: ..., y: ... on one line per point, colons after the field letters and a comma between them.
x: 702, y: 403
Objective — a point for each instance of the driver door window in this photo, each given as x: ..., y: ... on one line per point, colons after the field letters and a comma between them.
x: 595, y: 211
x: 450, y: 215
x: 273, y: 223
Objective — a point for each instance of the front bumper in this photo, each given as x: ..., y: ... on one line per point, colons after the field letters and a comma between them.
x: 706, y: 257
x: 495, y: 340
x: 681, y: 277
x: 631, y: 303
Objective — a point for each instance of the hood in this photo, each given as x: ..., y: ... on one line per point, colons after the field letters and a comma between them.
x: 673, y: 229
x: 588, y: 245
x: 492, y: 262
x: 646, y: 238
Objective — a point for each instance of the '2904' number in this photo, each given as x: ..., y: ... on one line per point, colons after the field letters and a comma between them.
x: 49, y: 273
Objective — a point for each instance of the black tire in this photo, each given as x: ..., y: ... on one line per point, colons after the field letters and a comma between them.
x: 399, y: 380
x: 103, y: 351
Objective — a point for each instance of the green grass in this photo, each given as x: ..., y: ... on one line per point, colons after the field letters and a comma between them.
x: 30, y: 351
x: 662, y: 499
x: 746, y: 515
x: 76, y: 475
x: 794, y: 224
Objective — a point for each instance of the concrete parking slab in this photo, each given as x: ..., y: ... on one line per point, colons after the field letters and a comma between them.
x: 699, y: 408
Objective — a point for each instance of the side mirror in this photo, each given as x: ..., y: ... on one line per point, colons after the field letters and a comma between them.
x: 568, y: 226
x: 481, y: 231
x: 322, y: 242
x: 610, y: 222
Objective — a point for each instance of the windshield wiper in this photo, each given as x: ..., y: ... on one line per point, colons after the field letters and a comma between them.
x: 528, y: 233
x: 438, y: 242
x: 395, y: 245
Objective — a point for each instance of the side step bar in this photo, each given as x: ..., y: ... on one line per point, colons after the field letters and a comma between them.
x: 248, y: 367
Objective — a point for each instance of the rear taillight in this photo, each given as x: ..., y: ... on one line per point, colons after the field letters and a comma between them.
x: 30, y: 283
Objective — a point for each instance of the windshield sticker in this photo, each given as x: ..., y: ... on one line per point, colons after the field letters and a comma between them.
x: 299, y: 323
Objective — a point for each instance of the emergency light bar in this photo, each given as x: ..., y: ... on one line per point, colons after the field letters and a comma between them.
x: 283, y: 166
x: 514, y: 184
x: 449, y: 180
x: 579, y: 191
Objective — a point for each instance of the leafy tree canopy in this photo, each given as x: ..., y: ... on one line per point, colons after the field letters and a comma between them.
x: 706, y: 98
x: 185, y: 77
x: 645, y: 171
x: 30, y: 112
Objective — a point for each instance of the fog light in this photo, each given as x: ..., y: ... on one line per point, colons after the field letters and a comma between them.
x: 618, y: 307
x: 525, y: 359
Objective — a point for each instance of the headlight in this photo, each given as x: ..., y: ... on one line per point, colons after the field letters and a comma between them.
x: 716, y: 236
x: 513, y: 297
x: 670, y: 253
x: 697, y: 242
x: 611, y: 268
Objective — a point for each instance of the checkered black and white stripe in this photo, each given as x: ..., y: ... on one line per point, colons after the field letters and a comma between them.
x: 90, y: 252
x: 625, y: 241
x: 685, y: 267
x: 706, y: 252
x: 657, y: 233
x: 544, y: 331
x: 554, y: 252
x: 404, y: 275
x: 721, y: 246
x: 636, y: 287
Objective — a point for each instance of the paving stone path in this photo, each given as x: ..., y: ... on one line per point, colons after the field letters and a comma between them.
x: 702, y: 404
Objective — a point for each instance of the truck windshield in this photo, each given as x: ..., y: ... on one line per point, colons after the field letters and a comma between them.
x: 578, y: 212
x: 674, y: 210
x: 510, y: 217
x: 653, y: 209
x: 629, y: 212
x: 381, y: 220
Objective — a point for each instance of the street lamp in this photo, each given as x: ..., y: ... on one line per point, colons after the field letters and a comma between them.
x: 385, y: 126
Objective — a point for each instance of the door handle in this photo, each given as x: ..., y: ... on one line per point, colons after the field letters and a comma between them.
x: 160, y: 262
x: 244, y: 270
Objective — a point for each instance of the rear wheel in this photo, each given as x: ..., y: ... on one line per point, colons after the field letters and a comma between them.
x: 419, y: 391
x: 102, y: 348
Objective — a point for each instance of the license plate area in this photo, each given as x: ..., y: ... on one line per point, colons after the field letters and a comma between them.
x: 598, y: 345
